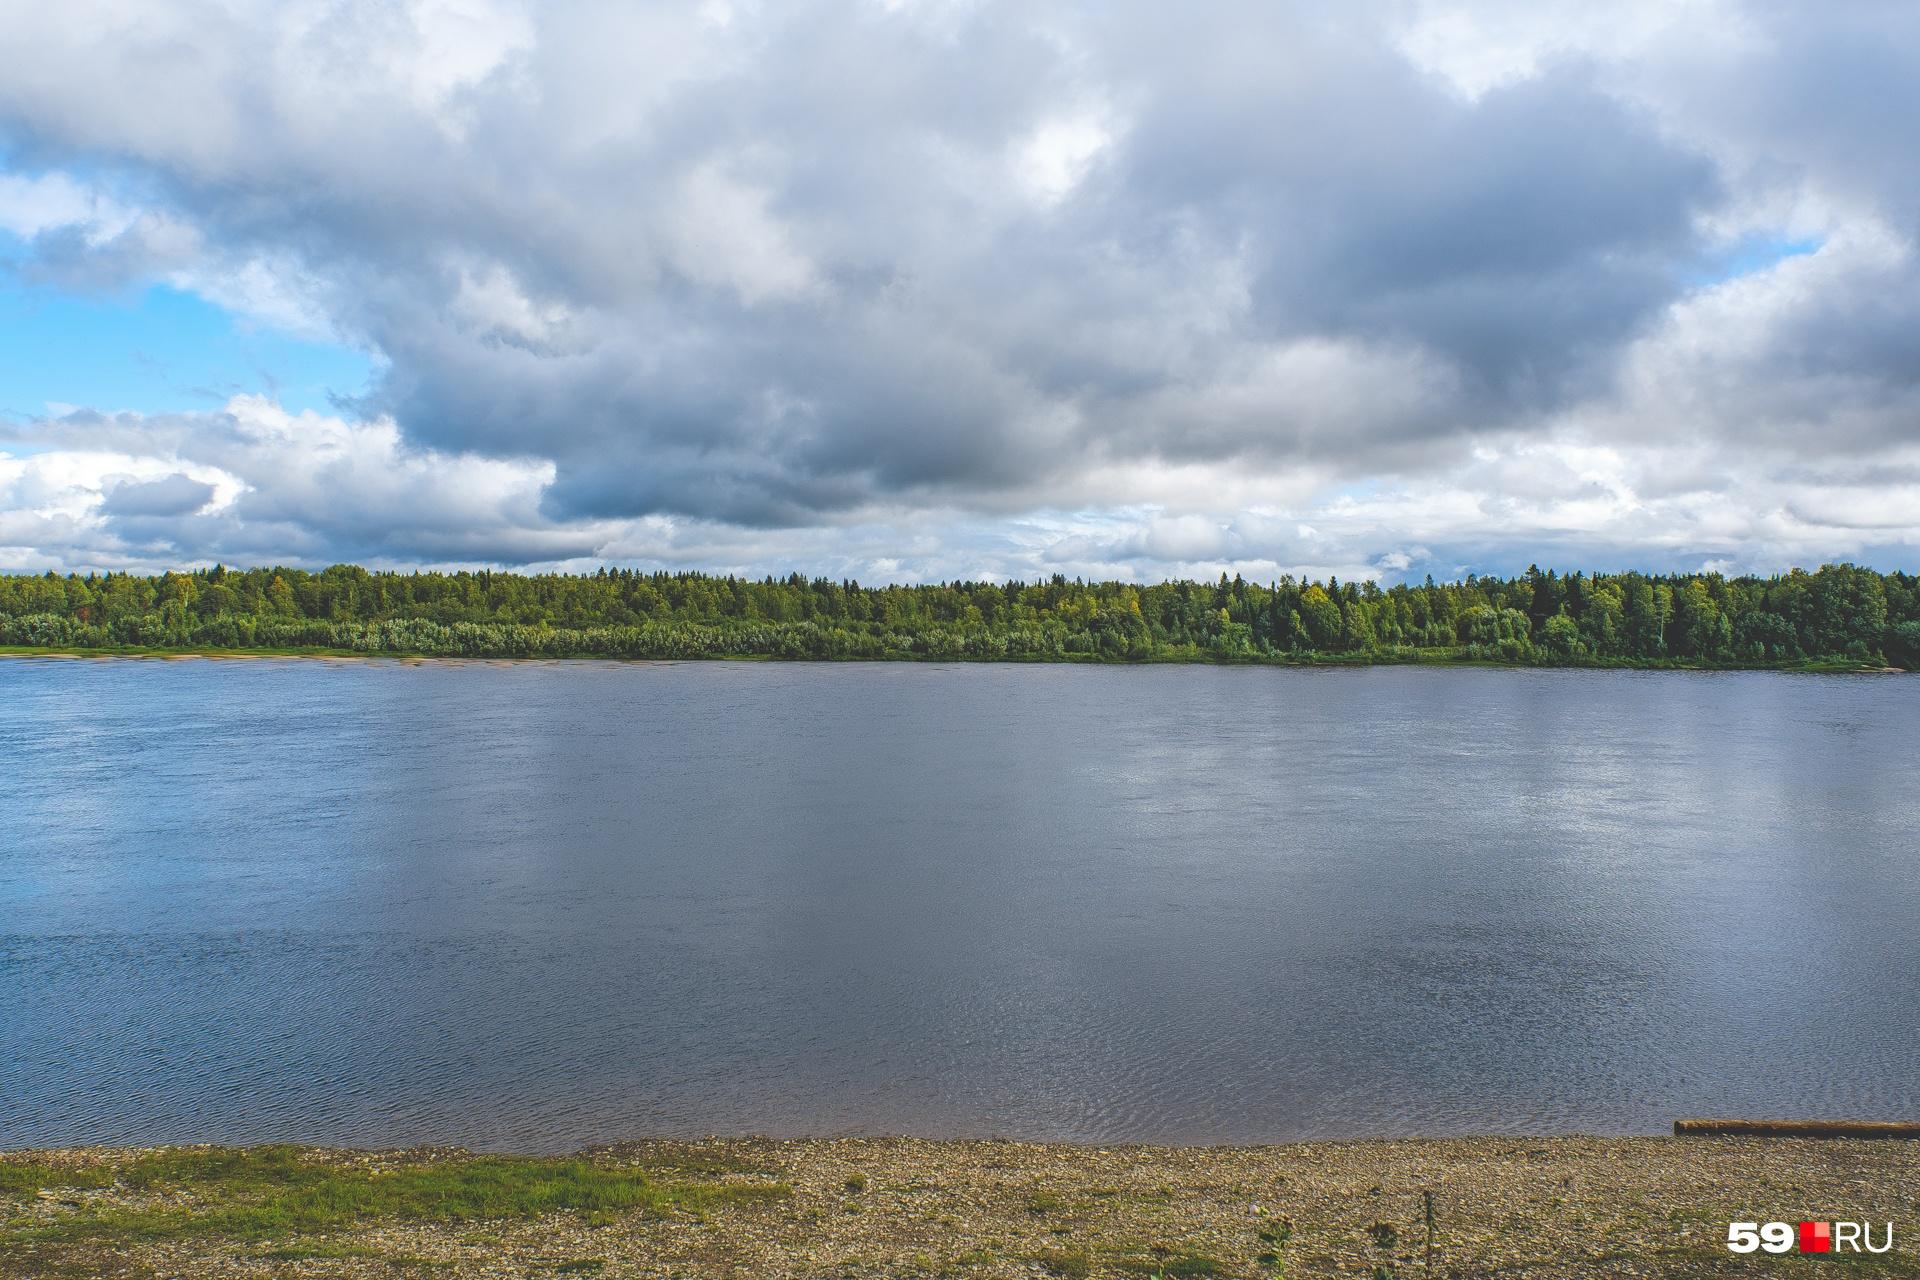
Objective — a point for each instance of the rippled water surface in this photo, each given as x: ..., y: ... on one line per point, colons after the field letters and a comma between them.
x: 537, y: 906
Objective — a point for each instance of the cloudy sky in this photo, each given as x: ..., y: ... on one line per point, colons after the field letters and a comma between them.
x: 923, y: 289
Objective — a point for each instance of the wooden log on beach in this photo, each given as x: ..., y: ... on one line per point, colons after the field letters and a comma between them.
x: 1796, y: 1129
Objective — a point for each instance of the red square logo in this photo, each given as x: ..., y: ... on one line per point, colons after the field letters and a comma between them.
x: 1816, y: 1237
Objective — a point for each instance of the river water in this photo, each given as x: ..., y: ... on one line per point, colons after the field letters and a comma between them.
x: 536, y: 906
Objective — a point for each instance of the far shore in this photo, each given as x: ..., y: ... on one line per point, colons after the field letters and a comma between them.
x: 1311, y: 661
x: 902, y: 1207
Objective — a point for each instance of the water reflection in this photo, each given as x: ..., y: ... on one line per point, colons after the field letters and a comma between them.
x: 542, y: 905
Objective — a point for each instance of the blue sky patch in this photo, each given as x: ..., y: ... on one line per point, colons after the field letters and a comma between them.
x: 158, y: 350
x: 1750, y: 254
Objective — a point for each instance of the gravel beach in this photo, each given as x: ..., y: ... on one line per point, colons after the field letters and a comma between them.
x: 981, y: 1209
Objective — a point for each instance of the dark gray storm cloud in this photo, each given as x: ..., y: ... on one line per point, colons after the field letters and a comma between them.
x: 174, y: 495
x: 783, y: 272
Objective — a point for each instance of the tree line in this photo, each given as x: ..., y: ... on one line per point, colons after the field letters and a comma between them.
x: 1840, y: 614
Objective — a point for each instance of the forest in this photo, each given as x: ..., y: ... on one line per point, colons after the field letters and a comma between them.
x: 1842, y: 615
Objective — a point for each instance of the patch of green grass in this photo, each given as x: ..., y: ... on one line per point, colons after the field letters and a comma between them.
x: 581, y: 1267
x: 1173, y: 1266
x: 856, y: 1183
x: 1069, y: 1264
x: 1192, y: 1264
x: 24, y: 1177
x: 255, y: 1193
x: 1044, y: 1204
x: 233, y: 1169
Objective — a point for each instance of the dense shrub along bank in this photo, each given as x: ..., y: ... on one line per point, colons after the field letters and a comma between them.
x: 1842, y: 613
